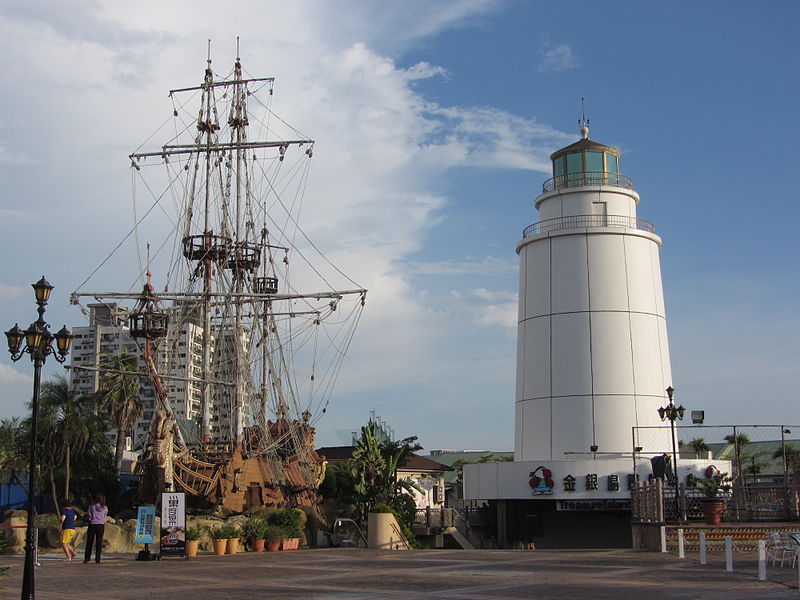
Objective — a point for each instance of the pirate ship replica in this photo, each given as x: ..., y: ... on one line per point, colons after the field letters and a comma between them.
x: 242, y: 360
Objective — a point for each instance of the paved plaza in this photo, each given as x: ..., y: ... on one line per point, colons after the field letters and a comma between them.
x: 367, y: 574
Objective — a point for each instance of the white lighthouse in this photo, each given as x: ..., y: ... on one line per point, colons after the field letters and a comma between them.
x: 593, y: 363
x: 593, y: 359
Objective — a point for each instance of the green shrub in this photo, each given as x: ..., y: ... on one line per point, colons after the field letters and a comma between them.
x: 274, y: 532
x: 193, y: 534
x: 289, y: 520
x: 254, y: 527
x: 382, y: 508
x: 226, y: 532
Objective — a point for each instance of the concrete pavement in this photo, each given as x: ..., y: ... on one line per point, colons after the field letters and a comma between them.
x: 371, y: 574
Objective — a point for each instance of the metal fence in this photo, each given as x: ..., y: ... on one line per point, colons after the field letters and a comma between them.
x: 763, y: 464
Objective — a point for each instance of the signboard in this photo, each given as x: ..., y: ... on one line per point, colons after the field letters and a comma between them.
x: 604, y: 505
x: 173, y: 524
x: 145, y: 525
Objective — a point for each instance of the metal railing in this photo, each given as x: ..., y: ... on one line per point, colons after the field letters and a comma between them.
x: 655, y: 502
x: 432, y: 518
x: 571, y: 180
x: 581, y: 221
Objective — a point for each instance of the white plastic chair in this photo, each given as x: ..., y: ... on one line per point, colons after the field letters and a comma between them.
x: 781, y: 546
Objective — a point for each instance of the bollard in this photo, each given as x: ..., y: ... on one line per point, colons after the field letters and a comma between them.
x: 681, y: 553
x: 663, y: 539
x: 703, y: 559
x: 762, y: 560
x: 728, y: 553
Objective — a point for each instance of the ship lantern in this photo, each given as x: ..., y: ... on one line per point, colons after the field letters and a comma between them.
x: 149, y: 325
x: 265, y: 285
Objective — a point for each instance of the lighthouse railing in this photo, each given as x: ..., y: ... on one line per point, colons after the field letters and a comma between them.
x: 585, y: 178
x: 581, y: 221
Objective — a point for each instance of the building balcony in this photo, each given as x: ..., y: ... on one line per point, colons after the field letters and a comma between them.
x: 582, y: 221
x: 571, y: 180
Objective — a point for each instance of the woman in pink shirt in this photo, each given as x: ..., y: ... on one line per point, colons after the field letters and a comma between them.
x: 97, y: 520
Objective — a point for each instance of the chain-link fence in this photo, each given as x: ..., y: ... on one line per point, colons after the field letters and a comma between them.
x: 762, y: 460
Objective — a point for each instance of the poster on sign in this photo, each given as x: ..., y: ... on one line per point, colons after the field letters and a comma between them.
x: 145, y: 525
x: 173, y: 524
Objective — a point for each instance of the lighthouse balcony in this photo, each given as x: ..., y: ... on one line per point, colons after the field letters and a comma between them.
x: 583, y: 221
x: 584, y: 178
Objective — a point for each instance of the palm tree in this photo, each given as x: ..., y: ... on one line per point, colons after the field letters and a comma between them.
x: 739, y: 441
x: 118, y: 398
x: 64, y: 428
x: 12, y: 459
x: 792, y: 458
x: 698, y: 446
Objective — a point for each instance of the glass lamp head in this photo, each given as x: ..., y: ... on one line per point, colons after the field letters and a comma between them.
x: 15, y: 336
x: 42, y: 290
x: 34, y: 335
x: 63, y: 340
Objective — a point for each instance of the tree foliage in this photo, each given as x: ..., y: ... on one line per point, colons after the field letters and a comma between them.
x: 73, y: 452
x: 118, y: 398
x: 370, y: 476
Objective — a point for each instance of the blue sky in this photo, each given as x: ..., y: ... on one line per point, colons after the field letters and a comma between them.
x: 434, y: 121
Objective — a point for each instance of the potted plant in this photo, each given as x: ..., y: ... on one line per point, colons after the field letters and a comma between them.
x: 234, y: 533
x: 273, y: 534
x: 254, y: 532
x: 219, y: 538
x: 193, y: 535
x: 289, y: 520
x: 713, y: 485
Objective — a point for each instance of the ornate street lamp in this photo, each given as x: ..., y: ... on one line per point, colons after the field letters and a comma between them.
x: 39, y: 344
x: 672, y: 413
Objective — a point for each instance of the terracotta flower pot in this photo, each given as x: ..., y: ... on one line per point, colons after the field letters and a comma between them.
x: 219, y: 547
x: 290, y: 543
x: 712, y: 510
x: 191, y: 547
x: 232, y: 546
x: 257, y: 545
x: 274, y: 545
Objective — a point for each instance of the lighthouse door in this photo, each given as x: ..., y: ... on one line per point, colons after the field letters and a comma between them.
x: 600, y: 210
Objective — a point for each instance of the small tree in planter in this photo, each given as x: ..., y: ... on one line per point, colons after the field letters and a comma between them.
x: 273, y: 535
x: 289, y: 521
x: 193, y: 535
x: 713, y: 485
x: 234, y: 533
x: 219, y: 538
x: 254, y: 532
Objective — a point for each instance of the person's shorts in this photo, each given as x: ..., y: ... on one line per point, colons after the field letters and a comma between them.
x: 67, y: 535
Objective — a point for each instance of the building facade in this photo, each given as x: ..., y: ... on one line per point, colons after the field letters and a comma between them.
x: 178, y: 359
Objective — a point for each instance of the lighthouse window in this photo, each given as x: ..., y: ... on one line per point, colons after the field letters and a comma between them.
x: 558, y: 166
x: 594, y: 162
x: 575, y: 163
x: 611, y: 164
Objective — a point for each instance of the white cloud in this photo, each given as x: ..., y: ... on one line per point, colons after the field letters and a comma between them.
x: 9, y: 376
x: 488, y: 265
x: 489, y: 137
x: 555, y: 58
x: 9, y: 292
x: 381, y: 158
x: 486, y: 308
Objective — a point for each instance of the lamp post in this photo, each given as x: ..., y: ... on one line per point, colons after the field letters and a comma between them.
x: 39, y: 344
x: 672, y: 413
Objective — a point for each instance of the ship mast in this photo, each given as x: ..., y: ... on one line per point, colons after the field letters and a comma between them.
x: 207, y: 233
x: 238, y: 130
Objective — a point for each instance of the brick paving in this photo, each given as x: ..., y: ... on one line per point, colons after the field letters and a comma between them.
x: 373, y: 574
